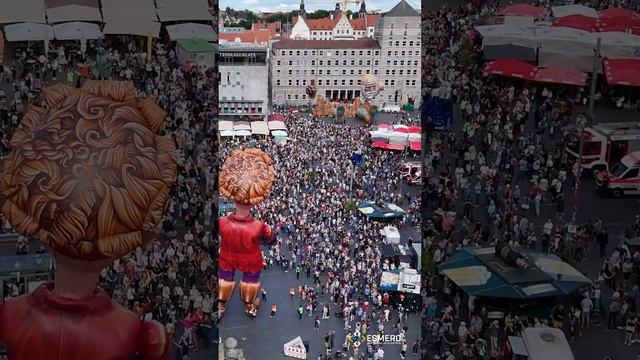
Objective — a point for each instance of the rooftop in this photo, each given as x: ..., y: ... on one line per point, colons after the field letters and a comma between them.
x: 402, y: 9
x: 363, y: 43
x: 196, y: 45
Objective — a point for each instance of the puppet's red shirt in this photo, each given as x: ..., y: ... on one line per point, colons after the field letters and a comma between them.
x: 44, y: 326
x: 240, y: 245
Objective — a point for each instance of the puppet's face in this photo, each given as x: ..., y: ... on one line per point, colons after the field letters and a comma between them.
x: 246, y: 177
x: 90, y: 176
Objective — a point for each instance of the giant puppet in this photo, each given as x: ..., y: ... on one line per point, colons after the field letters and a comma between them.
x: 246, y: 178
x: 89, y: 176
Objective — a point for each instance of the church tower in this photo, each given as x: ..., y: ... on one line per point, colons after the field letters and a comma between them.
x: 302, y: 13
x: 363, y: 10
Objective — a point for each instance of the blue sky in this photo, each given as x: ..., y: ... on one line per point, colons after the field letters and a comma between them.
x: 310, y: 5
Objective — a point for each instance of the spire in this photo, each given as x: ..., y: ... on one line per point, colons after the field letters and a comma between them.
x: 363, y: 10
x: 337, y: 8
x: 302, y: 11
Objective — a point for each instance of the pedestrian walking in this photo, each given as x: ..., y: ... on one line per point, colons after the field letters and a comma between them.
x: 316, y: 323
x: 274, y: 309
x: 300, y: 312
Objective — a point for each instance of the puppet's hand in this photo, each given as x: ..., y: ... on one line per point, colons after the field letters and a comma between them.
x: 155, y: 343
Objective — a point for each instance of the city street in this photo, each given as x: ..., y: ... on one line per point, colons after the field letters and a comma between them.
x: 265, y: 335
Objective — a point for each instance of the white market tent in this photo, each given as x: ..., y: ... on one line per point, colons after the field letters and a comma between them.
x: 22, y: 11
x: 414, y: 137
x: 397, y: 138
x: 238, y: 127
x: 132, y: 27
x: 507, y: 35
x: 77, y: 31
x: 568, y: 10
x: 279, y: 133
x: 565, y: 46
x: 140, y: 10
x: 185, y: 10
x: 28, y: 32
x: 73, y: 13
x: 259, y: 128
x: 227, y: 133
x: 618, y: 45
x: 243, y: 133
x: 277, y: 125
x: 191, y: 31
x: 225, y: 125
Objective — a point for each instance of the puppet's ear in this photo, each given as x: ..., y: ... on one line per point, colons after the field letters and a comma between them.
x: 120, y: 91
x: 55, y: 94
x: 153, y: 114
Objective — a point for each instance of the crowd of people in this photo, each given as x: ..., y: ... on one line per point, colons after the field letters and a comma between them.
x: 171, y: 280
x: 320, y: 234
x: 504, y: 176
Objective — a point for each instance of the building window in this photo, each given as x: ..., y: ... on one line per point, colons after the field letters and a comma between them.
x: 297, y: 82
x: 319, y: 81
x: 289, y: 82
x: 313, y: 71
x: 344, y: 82
x: 288, y: 96
x: 278, y: 72
x: 368, y: 52
x: 351, y: 82
x: 344, y: 53
x: 305, y: 53
x: 290, y: 72
x: 344, y: 71
x: 386, y: 83
x: 278, y: 62
x: 377, y: 52
x: 290, y: 52
x: 278, y: 82
x: 352, y: 72
x: 328, y: 71
x: 400, y: 72
x: 296, y: 96
x: 320, y: 62
x: 413, y: 82
x: 397, y: 43
x: 290, y: 62
x: 320, y: 72
x: 389, y: 53
x: 335, y: 82
x: 386, y: 72
x: 313, y: 63
x: 407, y: 82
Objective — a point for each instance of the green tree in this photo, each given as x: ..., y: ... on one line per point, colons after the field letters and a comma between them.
x: 318, y: 14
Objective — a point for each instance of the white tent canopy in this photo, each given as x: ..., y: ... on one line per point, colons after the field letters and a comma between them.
x: 225, y: 125
x: 238, y: 127
x: 140, y: 10
x: 279, y: 133
x: 277, y: 125
x: 567, y: 10
x: 73, y: 13
x: 391, y: 234
x: 77, y: 31
x: 243, y: 133
x: 619, y: 45
x: 227, y: 133
x: 132, y: 27
x: 507, y: 35
x: 22, y: 11
x: 191, y: 31
x: 28, y: 32
x: 189, y: 10
x: 259, y: 128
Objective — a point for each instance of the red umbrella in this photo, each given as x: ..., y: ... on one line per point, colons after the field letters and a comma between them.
x: 620, y: 24
x: 413, y: 129
x: 523, y: 10
x: 579, y: 22
x: 415, y: 146
x: 395, y: 147
x: 617, y: 13
x: 561, y: 75
x: 511, y: 68
x: 379, y: 145
x: 622, y: 71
